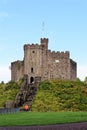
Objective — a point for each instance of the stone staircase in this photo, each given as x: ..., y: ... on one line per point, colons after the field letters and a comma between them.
x: 27, y: 92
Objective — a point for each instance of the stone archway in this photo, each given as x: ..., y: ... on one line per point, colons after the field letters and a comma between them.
x: 31, y: 79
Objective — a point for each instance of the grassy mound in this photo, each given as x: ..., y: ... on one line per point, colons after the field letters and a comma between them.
x: 8, y: 92
x: 53, y: 95
x: 57, y: 95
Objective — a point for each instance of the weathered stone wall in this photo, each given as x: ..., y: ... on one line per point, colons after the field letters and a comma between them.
x: 17, y: 70
x: 41, y: 62
x: 32, y: 60
x: 58, y: 65
x: 73, y: 70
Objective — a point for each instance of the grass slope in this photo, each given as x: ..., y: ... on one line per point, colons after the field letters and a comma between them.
x: 53, y: 95
x: 41, y: 118
x: 8, y: 92
x: 61, y: 96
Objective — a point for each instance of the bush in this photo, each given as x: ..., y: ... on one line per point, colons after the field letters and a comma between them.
x: 61, y: 96
x: 45, y: 85
x: 11, y: 85
x: 8, y: 91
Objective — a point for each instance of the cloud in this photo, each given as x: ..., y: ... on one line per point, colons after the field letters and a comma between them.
x: 82, y: 72
x: 5, y: 74
x: 4, y: 15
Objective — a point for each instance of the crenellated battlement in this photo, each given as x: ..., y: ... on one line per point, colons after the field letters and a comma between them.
x: 44, y: 44
x: 29, y: 46
x: 62, y: 54
x: 39, y: 61
x: 44, y: 40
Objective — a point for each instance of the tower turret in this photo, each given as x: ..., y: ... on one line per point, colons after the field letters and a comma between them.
x: 44, y: 43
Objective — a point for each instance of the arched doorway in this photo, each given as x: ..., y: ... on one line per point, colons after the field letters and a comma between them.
x: 31, y: 79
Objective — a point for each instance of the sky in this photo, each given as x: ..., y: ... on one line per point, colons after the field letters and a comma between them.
x: 21, y: 22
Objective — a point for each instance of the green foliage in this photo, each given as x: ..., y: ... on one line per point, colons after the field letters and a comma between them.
x: 21, y: 80
x: 10, y: 85
x: 45, y: 85
x: 53, y: 95
x: 8, y: 91
x: 58, y: 95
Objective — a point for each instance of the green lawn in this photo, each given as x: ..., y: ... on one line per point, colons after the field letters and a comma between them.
x: 41, y: 118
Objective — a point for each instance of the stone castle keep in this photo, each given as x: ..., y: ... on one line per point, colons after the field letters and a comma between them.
x: 40, y: 62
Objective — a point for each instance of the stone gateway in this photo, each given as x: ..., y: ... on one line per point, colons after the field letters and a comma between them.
x: 41, y: 62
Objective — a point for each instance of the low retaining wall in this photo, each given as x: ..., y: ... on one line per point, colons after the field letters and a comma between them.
x: 9, y: 110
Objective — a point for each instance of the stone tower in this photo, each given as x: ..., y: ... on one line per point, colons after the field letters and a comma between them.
x: 41, y: 62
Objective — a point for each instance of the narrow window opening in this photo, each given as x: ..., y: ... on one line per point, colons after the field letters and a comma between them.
x: 33, y: 51
x: 32, y: 70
